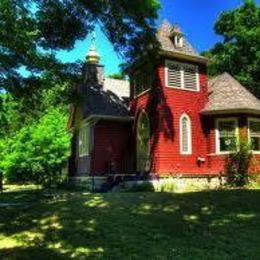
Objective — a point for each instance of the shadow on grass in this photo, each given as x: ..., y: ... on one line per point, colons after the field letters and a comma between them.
x: 205, y: 225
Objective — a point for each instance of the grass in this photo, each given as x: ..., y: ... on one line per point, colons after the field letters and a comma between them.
x: 65, y: 225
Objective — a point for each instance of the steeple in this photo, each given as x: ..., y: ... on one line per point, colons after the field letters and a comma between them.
x: 93, y: 56
x: 93, y: 71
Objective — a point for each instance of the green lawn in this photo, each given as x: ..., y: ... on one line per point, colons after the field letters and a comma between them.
x: 200, y: 225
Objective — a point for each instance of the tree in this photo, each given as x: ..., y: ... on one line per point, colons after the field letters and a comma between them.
x: 32, y: 31
x: 37, y: 152
x: 239, y: 52
x: 116, y: 76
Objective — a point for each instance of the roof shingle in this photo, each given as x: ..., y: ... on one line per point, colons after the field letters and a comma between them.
x: 227, y: 95
x: 163, y: 36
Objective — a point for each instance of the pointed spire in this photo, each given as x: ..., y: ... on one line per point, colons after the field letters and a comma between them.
x: 93, y: 56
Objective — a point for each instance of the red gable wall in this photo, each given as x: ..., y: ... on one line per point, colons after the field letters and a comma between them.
x: 165, y: 106
x: 112, y: 147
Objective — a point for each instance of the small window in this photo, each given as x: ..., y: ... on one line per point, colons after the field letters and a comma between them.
x: 185, y: 135
x: 227, y: 135
x: 84, y: 137
x: 254, y: 134
x: 178, y: 41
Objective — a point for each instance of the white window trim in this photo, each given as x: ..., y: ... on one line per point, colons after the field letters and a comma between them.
x: 83, y: 154
x: 167, y: 62
x: 189, y: 135
x: 252, y: 119
x: 217, y: 133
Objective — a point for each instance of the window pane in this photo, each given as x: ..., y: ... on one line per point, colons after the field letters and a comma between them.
x: 255, y: 142
x: 185, y: 145
x: 255, y: 127
x: 227, y: 144
x: 227, y: 135
x: 227, y: 128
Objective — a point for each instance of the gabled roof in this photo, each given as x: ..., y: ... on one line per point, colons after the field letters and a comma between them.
x: 119, y: 87
x: 107, y: 102
x: 227, y: 95
x: 163, y: 36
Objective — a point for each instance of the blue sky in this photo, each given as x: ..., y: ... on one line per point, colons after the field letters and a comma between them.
x: 195, y: 17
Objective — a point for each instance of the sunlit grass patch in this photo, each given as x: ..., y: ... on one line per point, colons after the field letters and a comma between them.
x: 64, y: 225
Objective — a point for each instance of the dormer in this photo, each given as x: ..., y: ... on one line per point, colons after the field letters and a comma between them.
x: 177, y: 37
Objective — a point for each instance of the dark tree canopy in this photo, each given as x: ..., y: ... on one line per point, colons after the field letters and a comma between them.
x: 239, y: 52
x: 32, y: 31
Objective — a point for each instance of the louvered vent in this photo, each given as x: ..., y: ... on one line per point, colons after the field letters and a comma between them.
x: 190, y: 78
x: 174, y: 75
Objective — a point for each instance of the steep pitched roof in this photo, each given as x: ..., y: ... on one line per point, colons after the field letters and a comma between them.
x: 108, y: 101
x: 98, y: 101
x: 163, y: 36
x: 227, y: 95
x: 121, y: 88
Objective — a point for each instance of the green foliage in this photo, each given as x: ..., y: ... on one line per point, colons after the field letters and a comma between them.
x: 239, y: 52
x: 37, y: 152
x: 31, y: 33
x: 237, y: 166
x: 116, y: 76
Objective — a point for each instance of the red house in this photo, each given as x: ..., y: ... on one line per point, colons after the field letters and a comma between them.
x: 170, y: 121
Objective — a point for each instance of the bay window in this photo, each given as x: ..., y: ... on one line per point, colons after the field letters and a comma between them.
x: 226, y: 135
x: 254, y: 134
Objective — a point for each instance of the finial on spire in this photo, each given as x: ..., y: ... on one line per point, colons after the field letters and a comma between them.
x: 92, y: 55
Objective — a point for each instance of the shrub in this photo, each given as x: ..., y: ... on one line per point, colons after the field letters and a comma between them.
x: 237, y: 167
x: 38, y: 152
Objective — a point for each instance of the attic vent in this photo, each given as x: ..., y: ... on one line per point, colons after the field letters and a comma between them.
x: 182, y: 75
x: 190, y: 77
x: 174, y: 75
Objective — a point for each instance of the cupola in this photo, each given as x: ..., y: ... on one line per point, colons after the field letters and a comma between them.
x: 94, y: 72
x: 93, y: 56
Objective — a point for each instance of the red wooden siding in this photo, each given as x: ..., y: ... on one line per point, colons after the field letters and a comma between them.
x: 112, y: 147
x: 165, y: 106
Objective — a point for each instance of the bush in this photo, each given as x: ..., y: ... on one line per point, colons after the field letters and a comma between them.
x: 37, y: 153
x: 237, y: 167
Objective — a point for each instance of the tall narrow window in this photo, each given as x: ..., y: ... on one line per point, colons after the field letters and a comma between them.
x: 84, y: 138
x: 143, y: 143
x: 254, y: 134
x: 226, y: 135
x: 185, y: 135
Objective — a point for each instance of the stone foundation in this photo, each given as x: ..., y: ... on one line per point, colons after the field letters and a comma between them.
x: 173, y: 184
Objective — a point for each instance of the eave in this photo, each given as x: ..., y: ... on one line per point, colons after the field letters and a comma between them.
x: 231, y: 111
x: 184, y: 56
x: 109, y: 118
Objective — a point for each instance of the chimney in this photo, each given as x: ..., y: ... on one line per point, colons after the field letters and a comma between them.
x: 93, y: 71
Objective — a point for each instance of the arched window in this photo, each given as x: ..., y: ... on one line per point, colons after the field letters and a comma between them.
x: 185, y: 135
x: 143, y: 143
